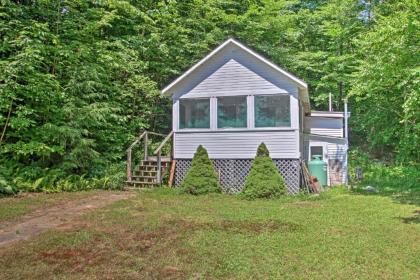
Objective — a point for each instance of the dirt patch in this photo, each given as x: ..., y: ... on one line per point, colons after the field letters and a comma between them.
x: 173, y: 231
x: 171, y: 272
x: 153, y: 245
x: 55, y: 217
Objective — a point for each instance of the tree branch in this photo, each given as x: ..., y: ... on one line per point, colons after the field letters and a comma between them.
x: 7, y: 122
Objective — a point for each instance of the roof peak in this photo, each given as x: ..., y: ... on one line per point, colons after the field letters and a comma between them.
x: 231, y: 40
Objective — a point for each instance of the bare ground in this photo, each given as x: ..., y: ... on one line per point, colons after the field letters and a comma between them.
x: 60, y: 216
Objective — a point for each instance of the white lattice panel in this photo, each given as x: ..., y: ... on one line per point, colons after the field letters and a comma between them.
x: 232, y: 172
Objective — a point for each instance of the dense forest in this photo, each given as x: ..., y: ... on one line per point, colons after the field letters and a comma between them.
x: 79, y: 79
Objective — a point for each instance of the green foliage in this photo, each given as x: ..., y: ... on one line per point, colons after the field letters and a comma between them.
x: 79, y: 79
x: 201, y: 177
x: 262, y: 151
x: 6, y: 188
x: 386, y: 86
x: 385, y: 178
x: 264, y: 180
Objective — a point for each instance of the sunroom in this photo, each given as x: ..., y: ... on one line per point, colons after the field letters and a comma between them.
x: 235, y: 112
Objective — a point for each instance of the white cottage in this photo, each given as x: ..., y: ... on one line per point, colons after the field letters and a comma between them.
x: 234, y: 99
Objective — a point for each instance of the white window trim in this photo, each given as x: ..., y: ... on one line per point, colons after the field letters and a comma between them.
x: 324, y: 150
x: 193, y: 129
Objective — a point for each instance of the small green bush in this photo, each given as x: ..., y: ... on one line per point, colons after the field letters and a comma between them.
x: 201, y: 178
x: 264, y: 180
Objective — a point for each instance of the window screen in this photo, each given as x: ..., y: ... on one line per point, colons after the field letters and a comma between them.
x: 272, y: 111
x: 231, y: 112
x: 317, y: 151
x: 194, y: 113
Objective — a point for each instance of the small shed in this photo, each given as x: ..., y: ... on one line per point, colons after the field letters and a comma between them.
x: 234, y: 99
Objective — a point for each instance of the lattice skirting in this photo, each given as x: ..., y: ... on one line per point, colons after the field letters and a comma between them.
x: 232, y: 172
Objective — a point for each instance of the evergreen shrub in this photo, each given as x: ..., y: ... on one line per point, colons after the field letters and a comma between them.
x: 264, y: 180
x: 201, y: 178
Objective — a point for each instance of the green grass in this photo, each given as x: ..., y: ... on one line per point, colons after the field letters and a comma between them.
x: 12, y: 208
x: 160, y: 234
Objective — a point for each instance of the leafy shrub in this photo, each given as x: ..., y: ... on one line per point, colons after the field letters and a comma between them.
x: 264, y: 180
x: 385, y: 177
x: 6, y: 187
x: 32, y: 178
x: 201, y: 178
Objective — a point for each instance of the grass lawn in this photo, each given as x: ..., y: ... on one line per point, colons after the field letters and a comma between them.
x: 162, y: 235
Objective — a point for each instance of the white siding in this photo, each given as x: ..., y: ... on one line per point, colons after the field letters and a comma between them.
x: 233, y: 78
x: 336, y: 149
x: 326, y: 126
x: 233, y: 72
x: 237, y: 145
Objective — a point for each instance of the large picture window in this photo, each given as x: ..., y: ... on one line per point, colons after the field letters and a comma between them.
x: 231, y: 112
x: 194, y: 113
x: 272, y: 110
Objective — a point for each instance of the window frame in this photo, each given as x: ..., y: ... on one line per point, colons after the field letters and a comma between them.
x: 246, y: 127
x: 317, y: 146
x: 189, y: 128
x: 286, y: 127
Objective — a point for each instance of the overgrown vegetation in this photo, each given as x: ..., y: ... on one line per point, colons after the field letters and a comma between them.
x: 201, y: 178
x: 398, y: 181
x: 263, y: 180
x: 79, y: 79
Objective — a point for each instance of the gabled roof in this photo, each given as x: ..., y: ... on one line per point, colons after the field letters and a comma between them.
x: 301, y: 84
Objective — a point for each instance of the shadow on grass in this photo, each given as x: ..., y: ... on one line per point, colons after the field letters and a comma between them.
x: 412, y: 220
x: 402, y: 184
x: 407, y: 196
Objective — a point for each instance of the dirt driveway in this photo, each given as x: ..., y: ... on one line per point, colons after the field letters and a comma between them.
x: 57, y: 216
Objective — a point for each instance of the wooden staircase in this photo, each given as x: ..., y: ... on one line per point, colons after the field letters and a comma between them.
x: 150, y: 170
x: 145, y: 173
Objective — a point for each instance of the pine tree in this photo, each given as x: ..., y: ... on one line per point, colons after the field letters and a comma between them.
x: 264, y: 180
x: 201, y: 178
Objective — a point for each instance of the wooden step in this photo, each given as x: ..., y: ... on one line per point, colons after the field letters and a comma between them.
x: 145, y: 173
x: 150, y: 170
x: 145, y: 168
x: 139, y: 177
x: 162, y: 159
x: 141, y: 184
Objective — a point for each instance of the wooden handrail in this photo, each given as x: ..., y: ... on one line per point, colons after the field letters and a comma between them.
x: 164, y: 142
x: 129, y: 154
x: 158, y: 152
x: 137, y: 140
x: 145, y: 134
